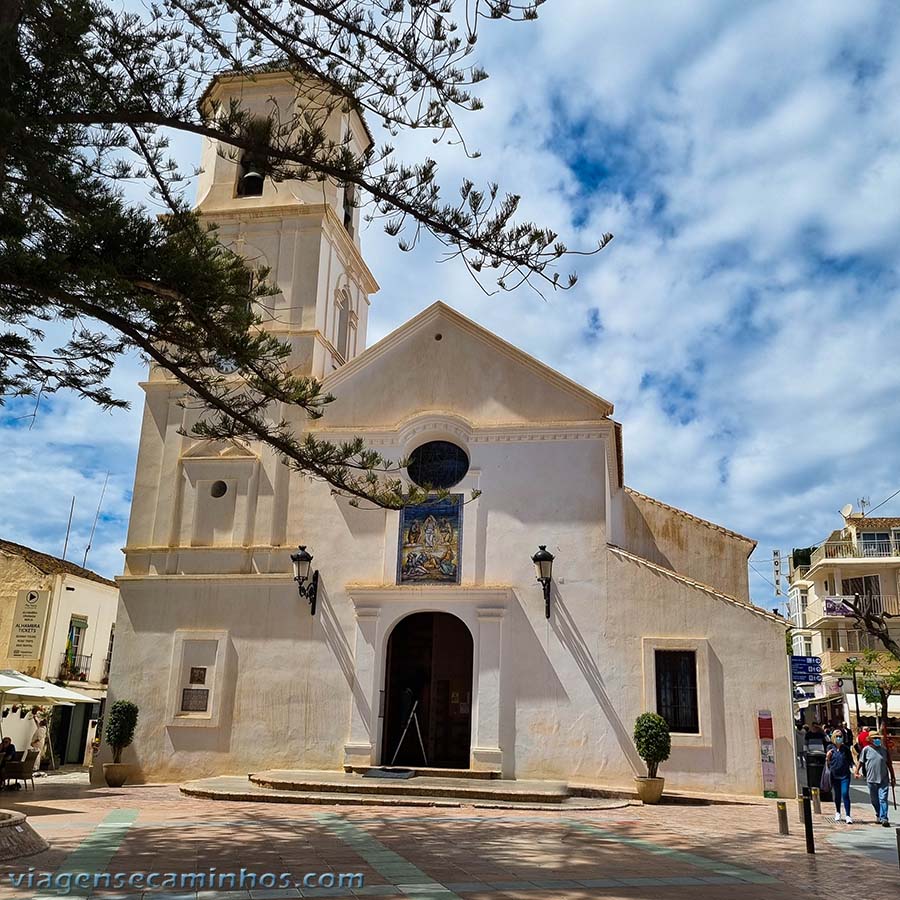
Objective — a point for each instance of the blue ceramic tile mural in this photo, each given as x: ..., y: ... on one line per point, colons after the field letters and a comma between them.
x: 431, y: 542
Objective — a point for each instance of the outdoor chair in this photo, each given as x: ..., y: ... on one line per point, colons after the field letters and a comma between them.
x: 21, y: 770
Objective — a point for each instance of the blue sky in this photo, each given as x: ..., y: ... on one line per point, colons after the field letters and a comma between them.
x: 746, y: 319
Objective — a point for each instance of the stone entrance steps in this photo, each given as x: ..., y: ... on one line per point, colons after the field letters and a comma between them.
x: 450, y: 795
x: 469, y: 774
x: 425, y: 786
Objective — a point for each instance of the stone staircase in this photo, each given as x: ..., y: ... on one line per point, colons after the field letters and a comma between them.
x: 428, y: 787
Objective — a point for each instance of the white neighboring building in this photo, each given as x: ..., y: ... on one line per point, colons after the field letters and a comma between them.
x: 649, y: 605
x: 57, y: 622
x: 861, y: 559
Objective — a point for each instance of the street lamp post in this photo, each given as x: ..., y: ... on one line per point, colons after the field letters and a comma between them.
x: 302, y: 563
x: 543, y: 569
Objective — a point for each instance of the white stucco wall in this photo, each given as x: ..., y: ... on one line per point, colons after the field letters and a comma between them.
x: 94, y: 601
x: 69, y: 595
x: 553, y: 698
x: 701, y: 550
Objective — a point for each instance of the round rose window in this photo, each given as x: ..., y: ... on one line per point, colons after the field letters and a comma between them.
x: 438, y: 465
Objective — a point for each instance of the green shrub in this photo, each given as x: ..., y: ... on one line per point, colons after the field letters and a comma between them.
x: 651, y: 737
x: 120, y: 725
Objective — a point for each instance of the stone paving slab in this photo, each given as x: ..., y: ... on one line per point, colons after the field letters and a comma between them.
x: 701, y: 853
x: 878, y: 843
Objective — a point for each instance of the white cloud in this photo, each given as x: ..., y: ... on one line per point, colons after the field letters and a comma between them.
x: 747, y: 158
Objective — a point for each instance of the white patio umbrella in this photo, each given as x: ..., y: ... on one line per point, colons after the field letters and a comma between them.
x: 15, y: 686
x: 18, y: 688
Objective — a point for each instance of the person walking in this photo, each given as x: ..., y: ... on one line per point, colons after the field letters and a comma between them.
x: 875, y: 761
x: 848, y: 734
x: 816, y: 738
x: 39, y: 738
x: 800, y: 743
x: 839, y: 760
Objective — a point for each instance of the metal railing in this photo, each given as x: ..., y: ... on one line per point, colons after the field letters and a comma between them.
x: 852, y: 640
x: 834, y: 607
x: 74, y: 667
x: 855, y: 550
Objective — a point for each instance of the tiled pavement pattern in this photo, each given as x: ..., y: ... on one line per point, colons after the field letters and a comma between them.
x: 640, y: 853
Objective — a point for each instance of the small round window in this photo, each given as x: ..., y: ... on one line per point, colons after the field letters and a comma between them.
x: 218, y: 489
x: 438, y: 465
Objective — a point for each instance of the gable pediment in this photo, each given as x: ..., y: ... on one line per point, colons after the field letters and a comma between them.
x: 440, y: 360
x: 217, y: 450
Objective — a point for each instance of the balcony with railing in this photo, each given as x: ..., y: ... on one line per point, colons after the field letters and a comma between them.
x: 822, y: 609
x: 75, y: 667
x: 850, y: 550
x: 839, y: 644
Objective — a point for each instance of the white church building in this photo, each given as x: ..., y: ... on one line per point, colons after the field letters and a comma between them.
x: 648, y: 606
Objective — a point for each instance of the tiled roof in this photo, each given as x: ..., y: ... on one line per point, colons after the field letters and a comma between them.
x: 868, y: 523
x: 720, y: 528
x: 52, y: 565
x: 698, y: 585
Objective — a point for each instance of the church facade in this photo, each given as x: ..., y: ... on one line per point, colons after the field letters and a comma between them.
x: 434, y: 608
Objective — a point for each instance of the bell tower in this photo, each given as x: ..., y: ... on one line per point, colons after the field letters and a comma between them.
x: 305, y: 232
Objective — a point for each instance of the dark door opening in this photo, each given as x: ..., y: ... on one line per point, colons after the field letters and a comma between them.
x: 429, y: 659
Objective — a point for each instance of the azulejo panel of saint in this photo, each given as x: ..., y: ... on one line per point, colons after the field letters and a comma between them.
x: 430, y: 542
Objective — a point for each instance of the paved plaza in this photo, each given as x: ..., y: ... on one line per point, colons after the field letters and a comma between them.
x: 724, y: 850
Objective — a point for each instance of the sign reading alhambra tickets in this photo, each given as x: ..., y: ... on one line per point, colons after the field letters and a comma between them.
x: 28, y: 624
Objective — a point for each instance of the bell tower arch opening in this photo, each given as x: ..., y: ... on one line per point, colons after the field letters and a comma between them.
x: 305, y: 229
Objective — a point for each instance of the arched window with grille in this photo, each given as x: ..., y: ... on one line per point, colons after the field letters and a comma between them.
x: 342, y: 337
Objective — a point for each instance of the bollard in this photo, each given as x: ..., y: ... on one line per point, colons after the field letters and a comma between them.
x: 898, y: 846
x: 808, y: 822
x: 783, y: 822
x: 800, y: 810
x: 816, y: 801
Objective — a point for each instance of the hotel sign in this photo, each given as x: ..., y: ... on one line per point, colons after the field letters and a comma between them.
x: 29, y: 620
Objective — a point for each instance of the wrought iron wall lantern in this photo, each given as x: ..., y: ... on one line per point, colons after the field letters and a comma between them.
x: 302, y: 563
x: 543, y: 569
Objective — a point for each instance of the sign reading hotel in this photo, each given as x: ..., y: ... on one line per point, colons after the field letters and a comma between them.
x: 28, y: 624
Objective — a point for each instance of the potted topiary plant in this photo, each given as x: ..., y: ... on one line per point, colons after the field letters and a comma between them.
x: 120, y: 725
x: 651, y: 738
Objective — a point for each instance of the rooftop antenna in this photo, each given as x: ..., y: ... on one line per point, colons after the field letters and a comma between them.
x: 68, y: 527
x: 863, y: 503
x: 94, y: 526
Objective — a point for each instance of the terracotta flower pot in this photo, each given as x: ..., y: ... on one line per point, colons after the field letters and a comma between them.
x: 649, y: 789
x: 116, y: 774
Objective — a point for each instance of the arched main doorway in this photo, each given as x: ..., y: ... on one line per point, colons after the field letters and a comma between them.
x: 429, y: 660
